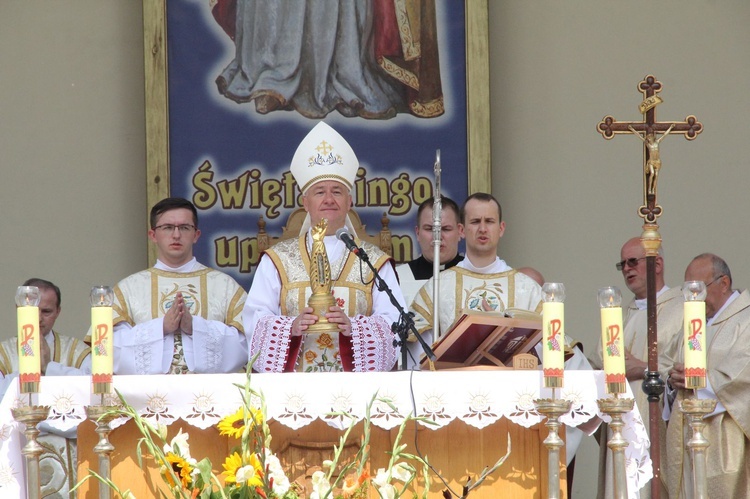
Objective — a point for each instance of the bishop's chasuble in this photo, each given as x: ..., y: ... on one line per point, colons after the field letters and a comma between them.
x: 281, y: 290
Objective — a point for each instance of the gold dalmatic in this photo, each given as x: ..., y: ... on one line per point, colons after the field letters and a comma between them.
x: 320, y: 281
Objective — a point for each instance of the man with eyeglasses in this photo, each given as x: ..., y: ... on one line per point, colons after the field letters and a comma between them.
x: 179, y: 316
x: 727, y: 381
x: 669, y: 308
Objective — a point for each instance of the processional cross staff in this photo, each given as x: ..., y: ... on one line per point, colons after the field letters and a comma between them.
x: 648, y: 131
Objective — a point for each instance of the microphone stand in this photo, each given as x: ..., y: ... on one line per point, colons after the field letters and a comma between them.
x: 405, y: 322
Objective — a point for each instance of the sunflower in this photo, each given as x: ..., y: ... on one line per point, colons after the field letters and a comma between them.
x: 181, y: 467
x: 234, y: 424
x: 235, y: 471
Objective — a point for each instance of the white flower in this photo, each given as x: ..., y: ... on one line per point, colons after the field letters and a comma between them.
x: 400, y: 471
x: 244, y: 474
x: 179, y: 445
x: 327, y: 463
x: 320, y: 485
x: 381, y: 478
x: 280, y: 481
x: 387, y: 491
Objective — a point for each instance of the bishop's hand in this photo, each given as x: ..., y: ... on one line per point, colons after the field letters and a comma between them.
x: 303, y: 320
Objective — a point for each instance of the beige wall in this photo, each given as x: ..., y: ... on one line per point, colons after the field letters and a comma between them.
x: 71, y: 149
x: 72, y: 143
x: 570, y: 197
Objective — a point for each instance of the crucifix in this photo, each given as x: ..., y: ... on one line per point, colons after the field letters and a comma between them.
x: 648, y: 131
x: 651, y: 132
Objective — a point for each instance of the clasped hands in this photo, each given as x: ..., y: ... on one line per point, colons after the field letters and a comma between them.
x: 334, y: 315
x: 178, y: 318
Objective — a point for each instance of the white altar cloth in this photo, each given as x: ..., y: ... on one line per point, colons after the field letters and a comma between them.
x: 478, y: 398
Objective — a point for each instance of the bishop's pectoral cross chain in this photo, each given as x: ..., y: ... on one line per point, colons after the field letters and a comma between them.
x: 648, y: 131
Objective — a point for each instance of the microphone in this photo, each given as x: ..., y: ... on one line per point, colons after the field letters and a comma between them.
x: 343, y: 235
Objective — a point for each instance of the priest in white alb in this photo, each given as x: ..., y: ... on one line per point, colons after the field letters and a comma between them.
x: 727, y: 381
x: 179, y: 316
x: 277, y: 315
x: 482, y: 281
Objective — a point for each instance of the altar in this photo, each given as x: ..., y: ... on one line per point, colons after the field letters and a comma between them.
x: 480, y: 409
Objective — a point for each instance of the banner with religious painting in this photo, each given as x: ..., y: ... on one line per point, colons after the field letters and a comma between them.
x: 245, y: 80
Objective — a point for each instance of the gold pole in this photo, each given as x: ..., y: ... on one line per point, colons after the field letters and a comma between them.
x: 102, y: 415
x: 553, y: 408
x: 31, y: 416
x: 696, y: 410
x: 615, y: 407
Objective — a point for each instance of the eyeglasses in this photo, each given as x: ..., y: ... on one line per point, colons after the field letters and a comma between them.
x: 707, y: 285
x: 630, y: 262
x: 169, y: 228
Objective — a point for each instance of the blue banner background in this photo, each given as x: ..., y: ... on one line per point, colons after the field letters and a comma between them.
x: 226, y: 140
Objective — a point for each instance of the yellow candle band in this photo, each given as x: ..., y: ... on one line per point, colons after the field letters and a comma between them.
x: 553, y: 348
x: 102, y: 350
x: 694, y: 327
x: 29, y: 357
x: 613, y: 350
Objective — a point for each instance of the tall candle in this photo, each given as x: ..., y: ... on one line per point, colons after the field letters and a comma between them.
x: 553, y: 327
x: 29, y: 353
x: 694, y: 327
x: 613, y: 347
x: 102, y: 351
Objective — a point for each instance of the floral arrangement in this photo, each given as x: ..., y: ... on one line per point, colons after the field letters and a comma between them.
x: 252, y: 471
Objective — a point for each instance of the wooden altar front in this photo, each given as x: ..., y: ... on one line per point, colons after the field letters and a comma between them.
x: 457, y: 452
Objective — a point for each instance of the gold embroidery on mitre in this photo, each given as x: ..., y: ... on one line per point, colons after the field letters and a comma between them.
x: 324, y: 156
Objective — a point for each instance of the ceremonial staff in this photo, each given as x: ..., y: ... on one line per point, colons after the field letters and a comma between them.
x: 437, y: 226
x: 647, y: 131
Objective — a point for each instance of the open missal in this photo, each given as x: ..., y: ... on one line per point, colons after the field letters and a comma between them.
x: 487, y: 339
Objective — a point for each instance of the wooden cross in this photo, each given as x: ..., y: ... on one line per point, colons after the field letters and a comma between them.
x: 647, y: 131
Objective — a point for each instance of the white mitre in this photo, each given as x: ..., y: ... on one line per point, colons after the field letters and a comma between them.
x: 324, y: 155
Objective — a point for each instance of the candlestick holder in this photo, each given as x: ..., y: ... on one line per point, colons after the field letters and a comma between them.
x: 102, y: 415
x: 696, y: 410
x: 31, y: 416
x: 615, y: 407
x: 553, y: 408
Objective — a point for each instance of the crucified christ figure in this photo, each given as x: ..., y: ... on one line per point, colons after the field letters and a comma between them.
x: 653, y: 164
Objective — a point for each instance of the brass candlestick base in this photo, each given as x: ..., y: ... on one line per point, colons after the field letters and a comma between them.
x: 696, y: 410
x: 102, y: 415
x: 553, y: 409
x: 31, y: 416
x: 615, y: 408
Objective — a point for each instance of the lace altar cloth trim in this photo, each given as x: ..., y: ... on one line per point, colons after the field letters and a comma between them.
x: 478, y: 398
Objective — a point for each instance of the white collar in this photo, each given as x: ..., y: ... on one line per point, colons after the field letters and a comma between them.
x: 493, y: 268
x: 182, y: 269
x: 641, y: 303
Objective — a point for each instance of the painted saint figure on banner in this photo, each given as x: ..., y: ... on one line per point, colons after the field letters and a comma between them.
x: 366, y: 58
